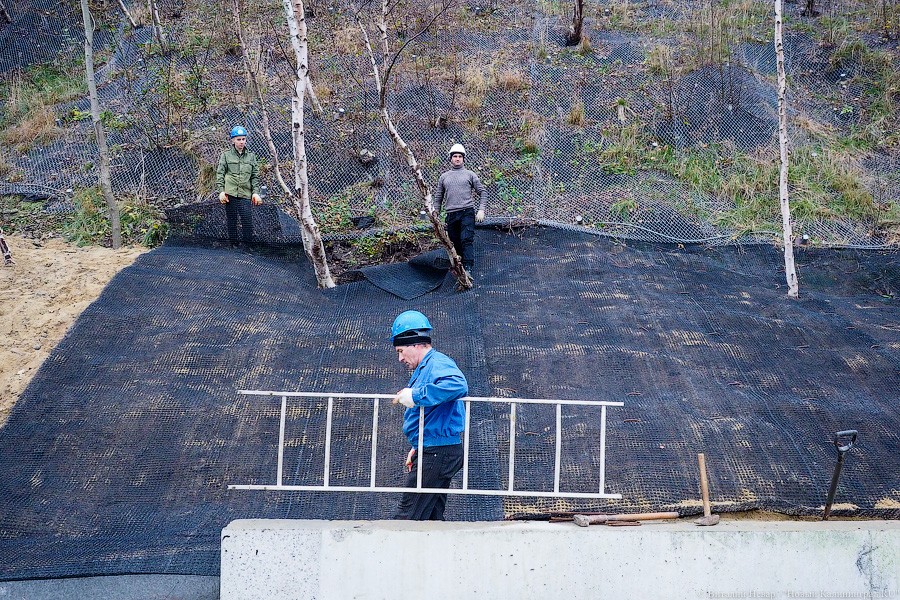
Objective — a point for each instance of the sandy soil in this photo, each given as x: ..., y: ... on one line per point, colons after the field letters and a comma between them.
x: 42, y: 295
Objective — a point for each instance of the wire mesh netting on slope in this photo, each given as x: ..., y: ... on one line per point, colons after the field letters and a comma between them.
x: 662, y: 127
x: 117, y: 457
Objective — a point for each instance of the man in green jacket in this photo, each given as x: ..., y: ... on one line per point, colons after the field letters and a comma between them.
x: 237, y: 181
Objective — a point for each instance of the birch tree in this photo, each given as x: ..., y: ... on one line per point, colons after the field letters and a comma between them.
x: 125, y: 10
x: 312, y: 238
x: 789, y: 269
x: 99, y: 133
x: 158, y: 32
x: 382, y: 74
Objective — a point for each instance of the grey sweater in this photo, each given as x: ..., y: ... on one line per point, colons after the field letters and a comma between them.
x: 454, y: 190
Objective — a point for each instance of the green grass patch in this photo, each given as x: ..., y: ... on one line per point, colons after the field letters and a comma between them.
x: 825, y: 182
x: 40, y: 86
x: 89, y: 224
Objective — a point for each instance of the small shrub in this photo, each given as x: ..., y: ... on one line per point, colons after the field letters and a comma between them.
x: 89, y: 224
x: 576, y: 113
x: 584, y: 46
x: 334, y: 216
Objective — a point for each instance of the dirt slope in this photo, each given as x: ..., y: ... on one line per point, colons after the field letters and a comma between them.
x: 42, y: 295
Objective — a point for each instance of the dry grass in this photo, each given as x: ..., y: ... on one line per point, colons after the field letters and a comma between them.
x: 512, y: 80
x: 477, y: 81
x: 349, y: 41
x: 36, y: 127
x: 475, y: 85
x: 533, y: 131
x: 584, y: 46
x: 622, y: 13
x: 5, y: 167
x: 323, y: 91
x: 576, y: 114
x: 659, y: 60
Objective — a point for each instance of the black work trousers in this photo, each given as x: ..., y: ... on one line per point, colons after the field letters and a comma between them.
x: 235, y: 208
x: 461, y: 229
x: 441, y: 463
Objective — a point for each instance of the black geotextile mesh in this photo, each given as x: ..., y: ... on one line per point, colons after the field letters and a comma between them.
x: 411, y: 279
x: 117, y: 457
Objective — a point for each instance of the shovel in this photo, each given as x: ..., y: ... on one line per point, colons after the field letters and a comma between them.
x: 708, y: 518
x: 843, y: 441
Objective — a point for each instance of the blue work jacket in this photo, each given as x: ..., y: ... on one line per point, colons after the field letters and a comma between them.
x: 437, y: 384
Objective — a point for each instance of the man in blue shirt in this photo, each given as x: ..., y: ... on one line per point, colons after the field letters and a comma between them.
x: 438, y: 385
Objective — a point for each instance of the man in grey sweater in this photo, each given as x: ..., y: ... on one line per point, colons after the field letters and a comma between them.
x: 454, y: 191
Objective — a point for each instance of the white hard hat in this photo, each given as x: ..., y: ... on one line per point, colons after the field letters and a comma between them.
x: 456, y: 149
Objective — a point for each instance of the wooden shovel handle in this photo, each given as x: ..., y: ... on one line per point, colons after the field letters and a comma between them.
x: 585, y: 520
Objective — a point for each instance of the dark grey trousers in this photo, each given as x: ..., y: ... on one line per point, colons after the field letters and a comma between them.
x: 439, y: 466
x: 461, y: 230
x: 239, y: 207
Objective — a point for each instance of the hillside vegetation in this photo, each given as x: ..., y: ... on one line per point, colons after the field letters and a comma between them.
x: 660, y: 123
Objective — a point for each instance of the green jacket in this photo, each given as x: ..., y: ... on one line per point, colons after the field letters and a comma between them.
x: 238, y: 174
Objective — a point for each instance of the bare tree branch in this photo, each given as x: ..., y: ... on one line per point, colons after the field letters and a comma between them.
x: 125, y: 10
x: 445, y: 6
x: 456, y: 267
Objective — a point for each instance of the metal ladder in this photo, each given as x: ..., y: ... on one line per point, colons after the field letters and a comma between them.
x: 465, y: 489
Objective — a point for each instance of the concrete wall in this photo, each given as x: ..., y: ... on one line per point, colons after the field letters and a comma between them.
x: 391, y: 559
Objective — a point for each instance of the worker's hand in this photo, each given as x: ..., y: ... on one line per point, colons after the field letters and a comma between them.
x: 404, y: 397
x: 409, y: 458
x: 256, y: 200
x: 479, y: 216
x: 223, y: 198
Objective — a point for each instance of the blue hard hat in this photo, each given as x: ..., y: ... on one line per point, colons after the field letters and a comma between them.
x: 238, y: 131
x: 410, y: 327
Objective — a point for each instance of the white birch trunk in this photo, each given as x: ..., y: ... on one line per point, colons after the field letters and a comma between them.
x: 312, y: 239
x: 789, y: 269
x: 125, y: 10
x: 456, y: 267
x: 158, y: 32
x: 99, y: 133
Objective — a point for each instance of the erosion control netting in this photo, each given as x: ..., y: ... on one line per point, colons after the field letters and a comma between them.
x: 662, y: 128
x: 117, y: 457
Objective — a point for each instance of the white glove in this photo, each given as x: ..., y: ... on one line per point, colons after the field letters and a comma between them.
x: 479, y: 216
x: 404, y: 397
x: 223, y: 198
x: 256, y: 200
